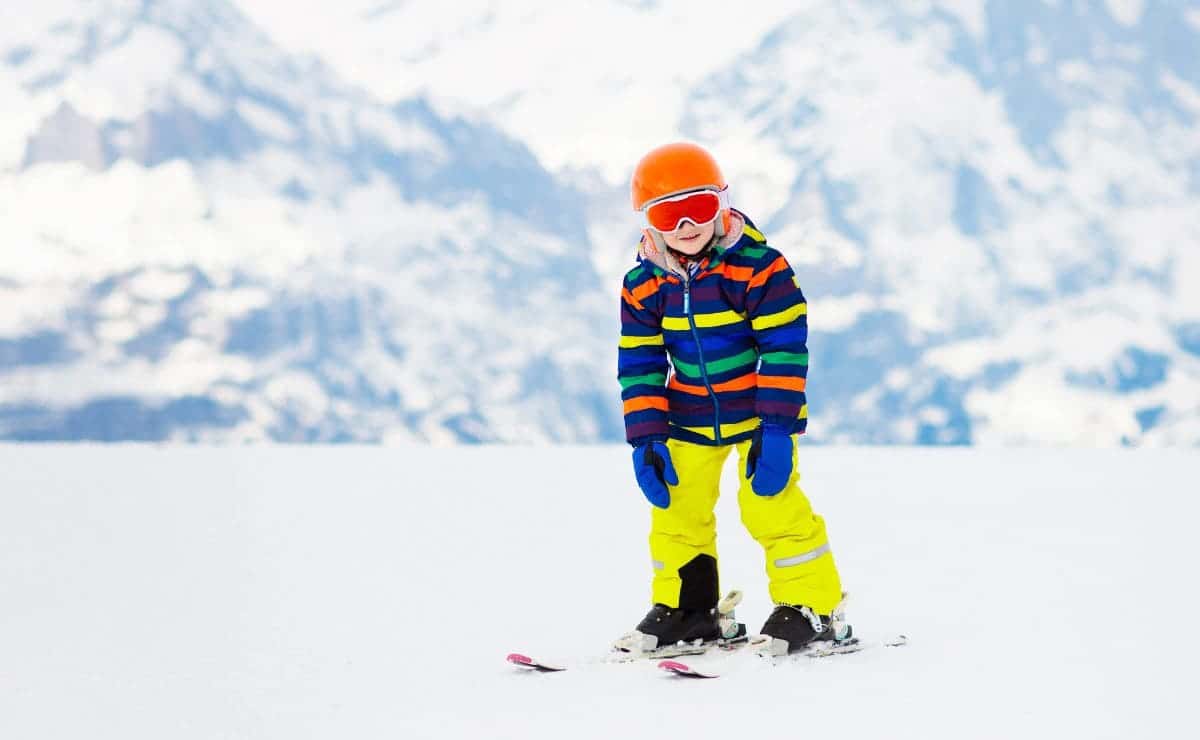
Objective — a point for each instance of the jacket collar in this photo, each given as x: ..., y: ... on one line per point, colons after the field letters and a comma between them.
x: 663, y: 263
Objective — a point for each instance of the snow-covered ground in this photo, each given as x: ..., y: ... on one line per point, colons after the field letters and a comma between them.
x: 350, y: 592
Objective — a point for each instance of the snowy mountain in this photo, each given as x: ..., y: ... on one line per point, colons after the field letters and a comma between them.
x: 992, y: 202
x: 280, y: 593
x: 312, y: 221
x: 998, y: 214
x: 590, y: 84
x: 207, y: 237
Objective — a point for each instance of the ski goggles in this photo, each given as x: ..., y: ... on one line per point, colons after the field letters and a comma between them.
x: 701, y: 207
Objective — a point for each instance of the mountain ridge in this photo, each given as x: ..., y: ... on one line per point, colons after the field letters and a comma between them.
x: 280, y: 256
x: 989, y: 205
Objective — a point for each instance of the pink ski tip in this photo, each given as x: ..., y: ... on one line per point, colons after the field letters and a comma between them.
x: 519, y: 659
x: 673, y: 665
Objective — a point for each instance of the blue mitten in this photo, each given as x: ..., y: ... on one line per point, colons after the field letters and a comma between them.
x: 653, y: 468
x: 769, y: 464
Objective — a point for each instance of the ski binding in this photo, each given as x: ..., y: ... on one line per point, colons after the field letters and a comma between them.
x: 638, y: 646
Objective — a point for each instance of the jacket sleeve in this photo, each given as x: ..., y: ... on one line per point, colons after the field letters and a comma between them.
x: 778, y: 316
x: 642, y: 361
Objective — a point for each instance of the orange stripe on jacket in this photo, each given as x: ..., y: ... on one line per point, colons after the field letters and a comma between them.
x: 645, y: 402
x: 741, y: 274
x: 647, y: 288
x: 761, y: 278
x: 782, y: 382
x: 628, y: 298
x: 744, y: 383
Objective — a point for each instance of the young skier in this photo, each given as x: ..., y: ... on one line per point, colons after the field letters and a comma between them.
x: 713, y: 358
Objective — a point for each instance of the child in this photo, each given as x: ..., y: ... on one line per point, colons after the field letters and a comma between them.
x: 725, y: 309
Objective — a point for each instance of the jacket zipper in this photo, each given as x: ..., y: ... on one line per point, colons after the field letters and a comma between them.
x: 687, y: 309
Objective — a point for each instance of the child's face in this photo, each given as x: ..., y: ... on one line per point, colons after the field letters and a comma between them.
x: 690, y: 238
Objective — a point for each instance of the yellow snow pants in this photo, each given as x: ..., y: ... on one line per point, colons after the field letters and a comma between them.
x: 800, y: 567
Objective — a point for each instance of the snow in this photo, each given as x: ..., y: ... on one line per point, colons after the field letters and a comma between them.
x: 31, y: 308
x: 194, y: 94
x: 402, y: 136
x: 1037, y: 408
x: 266, y: 121
x: 889, y: 164
x: 972, y: 13
x: 19, y: 120
x: 486, y: 57
x: 105, y: 89
x: 299, y: 395
x: 156, y: 284
x: 1128, y: 12
x: 839, y: 314
x: 286, y: 592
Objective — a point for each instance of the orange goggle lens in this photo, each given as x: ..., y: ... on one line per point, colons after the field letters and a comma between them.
x: 700, y: 208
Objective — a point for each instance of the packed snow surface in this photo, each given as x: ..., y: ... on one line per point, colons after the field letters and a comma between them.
x: 353, y: 592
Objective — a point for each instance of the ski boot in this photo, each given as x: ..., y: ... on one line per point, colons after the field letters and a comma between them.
x: 666, y: 632
x: 797, y: 628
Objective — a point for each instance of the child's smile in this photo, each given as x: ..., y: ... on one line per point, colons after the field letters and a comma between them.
x: 690, y: 238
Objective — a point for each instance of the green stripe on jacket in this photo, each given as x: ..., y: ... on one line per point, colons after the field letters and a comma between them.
x: 746, y: 358
x: 785, y: 358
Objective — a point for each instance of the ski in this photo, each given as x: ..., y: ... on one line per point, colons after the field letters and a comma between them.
x: 676, y: 668
x: 720, y: 649
x: 761, y: 650
x: 679, y: 650
x: 525, y: 661
x: 637, y: 647
x: 821, y: 649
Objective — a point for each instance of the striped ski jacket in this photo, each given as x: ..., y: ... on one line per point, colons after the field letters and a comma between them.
x: 707, y: 357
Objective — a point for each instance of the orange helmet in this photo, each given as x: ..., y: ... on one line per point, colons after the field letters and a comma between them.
x: 673, y: 168
x: 677, y: 168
